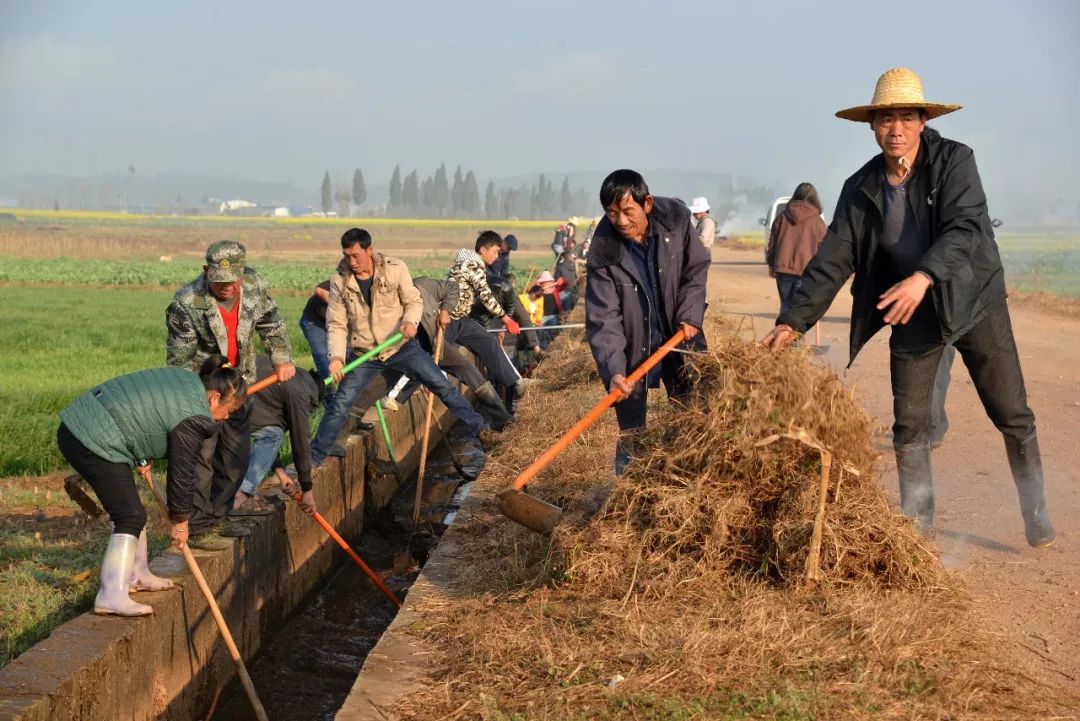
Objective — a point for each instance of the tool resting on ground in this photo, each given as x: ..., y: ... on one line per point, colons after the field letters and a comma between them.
x: 532, y: 512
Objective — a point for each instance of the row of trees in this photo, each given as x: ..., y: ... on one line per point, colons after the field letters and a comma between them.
x: 437, y: 196
x: 357, y: 197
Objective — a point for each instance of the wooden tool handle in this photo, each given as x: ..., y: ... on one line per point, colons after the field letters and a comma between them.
x: 193, y: 566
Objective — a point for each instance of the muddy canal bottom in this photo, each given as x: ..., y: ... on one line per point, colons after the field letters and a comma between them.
x: 305, y: 671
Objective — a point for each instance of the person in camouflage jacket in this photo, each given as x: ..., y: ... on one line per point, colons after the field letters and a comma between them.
x: 196, y: 329
x: 218, y: 313
x: 469, y: 272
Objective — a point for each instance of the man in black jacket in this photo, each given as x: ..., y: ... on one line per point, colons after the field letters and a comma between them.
x: 646, y: 276
x: 913, y: 227
x: 274, y: 410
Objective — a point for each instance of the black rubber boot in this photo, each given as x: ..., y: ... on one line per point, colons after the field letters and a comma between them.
x: 489, y: 399
x: 1026, y: 466
x: 916, y: 485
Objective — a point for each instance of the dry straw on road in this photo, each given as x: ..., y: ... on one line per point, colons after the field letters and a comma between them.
x: 680, y: 590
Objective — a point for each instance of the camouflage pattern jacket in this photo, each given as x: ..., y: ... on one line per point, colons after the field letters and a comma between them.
x: 197, y: 331
x: 471, y: 277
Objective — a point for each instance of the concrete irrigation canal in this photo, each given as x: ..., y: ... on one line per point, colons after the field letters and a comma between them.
x: 303, y: 616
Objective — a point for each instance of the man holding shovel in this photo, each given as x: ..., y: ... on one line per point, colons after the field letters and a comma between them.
x: 371, y: 298
x: 646, y: 275
x: 912, y: 226
x: 219, y: 313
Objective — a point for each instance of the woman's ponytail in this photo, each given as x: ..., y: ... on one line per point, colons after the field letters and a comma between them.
x: 218, y: 375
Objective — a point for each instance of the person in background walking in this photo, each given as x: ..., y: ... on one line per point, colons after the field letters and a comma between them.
x: 703, y: 222
x: 794, y: 239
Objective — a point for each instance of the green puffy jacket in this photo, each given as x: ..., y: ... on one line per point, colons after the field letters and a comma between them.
x: 129, y: 418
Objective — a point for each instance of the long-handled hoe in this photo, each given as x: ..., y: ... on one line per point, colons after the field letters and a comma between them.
x: 193, y: 566
x: 533, y: 513
x: 353, y: 555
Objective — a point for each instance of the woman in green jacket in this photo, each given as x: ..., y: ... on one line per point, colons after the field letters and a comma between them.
x: 159, y: 413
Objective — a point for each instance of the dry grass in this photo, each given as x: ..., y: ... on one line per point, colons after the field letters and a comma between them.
x: 188, y: 239
x: 679, y: 590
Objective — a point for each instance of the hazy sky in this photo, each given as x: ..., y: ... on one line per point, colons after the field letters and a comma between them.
x: 283, y: 91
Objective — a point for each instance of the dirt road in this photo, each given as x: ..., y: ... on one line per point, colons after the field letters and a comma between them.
x: 1030, y: 596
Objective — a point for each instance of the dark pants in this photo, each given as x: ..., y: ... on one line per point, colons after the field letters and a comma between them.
x: 787, y: 285
x: 221, y: 470
x: 112, y: 483
x: 315, y: 332
x: 409, y: 359
x: 989, y: 352
x: 467, y: 333
x: 630, y: 413
x: 453, y: 361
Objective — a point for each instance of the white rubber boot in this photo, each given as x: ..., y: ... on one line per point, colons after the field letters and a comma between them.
x: 112, y: 597
x: 141, y: 577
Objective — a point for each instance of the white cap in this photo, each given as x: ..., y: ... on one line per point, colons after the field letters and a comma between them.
x: 699, y: 205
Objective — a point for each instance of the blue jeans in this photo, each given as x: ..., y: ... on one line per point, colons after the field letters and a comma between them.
x: 316, y: 338
x: 786, y: 285
x: 265, y: 444
x: 411, y: 360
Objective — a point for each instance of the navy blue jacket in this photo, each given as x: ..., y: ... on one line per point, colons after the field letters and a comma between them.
x: 616, y: 305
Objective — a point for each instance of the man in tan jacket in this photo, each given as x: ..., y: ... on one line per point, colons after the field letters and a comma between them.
x: 371, y: 298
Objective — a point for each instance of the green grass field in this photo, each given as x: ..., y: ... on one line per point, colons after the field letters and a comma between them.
x: 57, y: 342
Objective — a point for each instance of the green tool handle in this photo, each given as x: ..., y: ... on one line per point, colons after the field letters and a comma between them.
x: 351, y: 365
x: 385, y: 430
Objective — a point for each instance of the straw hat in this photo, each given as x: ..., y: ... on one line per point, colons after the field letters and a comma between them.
x: 896, y: 88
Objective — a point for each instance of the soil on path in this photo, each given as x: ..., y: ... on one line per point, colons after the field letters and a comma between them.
x: 1029, y: 596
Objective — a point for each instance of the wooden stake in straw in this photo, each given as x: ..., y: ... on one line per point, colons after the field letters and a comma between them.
x: 427, y: 434
x: 193, y: 566
x: 813, y: 561
x: 353, y: 555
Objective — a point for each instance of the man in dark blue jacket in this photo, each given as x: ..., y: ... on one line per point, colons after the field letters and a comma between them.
x: 646, y: 275
x: 913, y: 227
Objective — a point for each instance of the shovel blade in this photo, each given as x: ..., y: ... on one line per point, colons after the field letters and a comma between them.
x: 530, y: 512
x: 75, y: 488
x: 820, y: 350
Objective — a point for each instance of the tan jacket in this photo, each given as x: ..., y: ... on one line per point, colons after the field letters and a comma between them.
x: 706, y: 228
x: 352, y: 323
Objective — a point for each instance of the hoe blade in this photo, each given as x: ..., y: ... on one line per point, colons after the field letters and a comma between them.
x: 530, y: 512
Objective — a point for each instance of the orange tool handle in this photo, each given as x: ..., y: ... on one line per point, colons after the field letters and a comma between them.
x: 352, y: 554
x: 598, y: 410
x: 264, y: 383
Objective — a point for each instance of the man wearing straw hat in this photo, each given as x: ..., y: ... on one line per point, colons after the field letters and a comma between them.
x: 913, y: 227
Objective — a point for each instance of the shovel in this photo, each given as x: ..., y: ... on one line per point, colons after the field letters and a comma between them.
x: 533, y: 513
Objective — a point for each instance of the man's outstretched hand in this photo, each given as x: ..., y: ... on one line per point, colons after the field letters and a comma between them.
x: 903, y: 298
x: 779, y: 337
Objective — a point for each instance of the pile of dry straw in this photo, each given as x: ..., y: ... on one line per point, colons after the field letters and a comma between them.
x: 680, y: 590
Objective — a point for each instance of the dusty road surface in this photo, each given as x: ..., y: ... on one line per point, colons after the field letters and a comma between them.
x: 1030, y: 596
